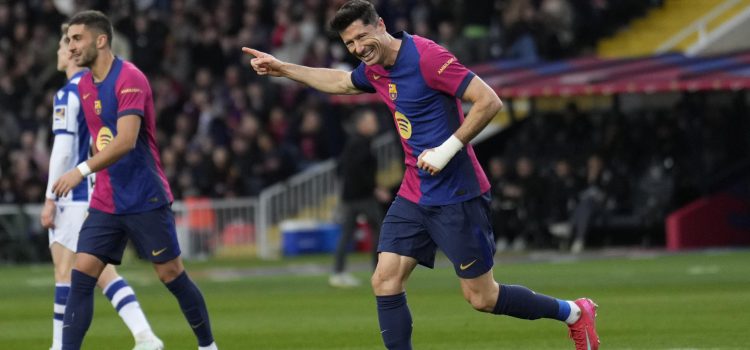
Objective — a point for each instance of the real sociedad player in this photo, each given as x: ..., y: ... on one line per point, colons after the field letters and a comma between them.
x: 132, y: 198
x: 444, y: 197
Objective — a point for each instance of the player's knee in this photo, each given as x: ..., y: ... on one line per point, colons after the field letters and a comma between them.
x: 481, y: 301
x: 384, y: 284
x: 62, y: 275
x: 168, y: 271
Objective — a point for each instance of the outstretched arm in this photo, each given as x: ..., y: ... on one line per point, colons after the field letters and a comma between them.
x: 128, y: 128
x: 486, y: 104
x: 332, y: 81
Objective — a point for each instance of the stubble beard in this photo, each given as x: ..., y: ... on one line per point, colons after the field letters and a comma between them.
x: 88, y: 57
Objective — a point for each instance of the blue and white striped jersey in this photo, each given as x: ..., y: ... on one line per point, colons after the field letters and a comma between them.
x: 68, y: 118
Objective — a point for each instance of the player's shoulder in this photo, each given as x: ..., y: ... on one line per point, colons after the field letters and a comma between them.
x: 131, y: 74
x: 426, y: 46
x: 85, y: 80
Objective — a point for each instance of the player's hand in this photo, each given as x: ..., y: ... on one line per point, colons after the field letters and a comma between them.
x: 433, y: 160
x: 48, y: 214
x: 263, y: 63
x: 426, y: 165
x: 67, y: 182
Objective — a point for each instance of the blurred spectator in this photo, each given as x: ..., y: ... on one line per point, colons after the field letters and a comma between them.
x: 562, y: 198
x: 600, y: 196
x: 505, y: 195
x: 360, y: 194
x: 309, y: 139
x: 530, y: 204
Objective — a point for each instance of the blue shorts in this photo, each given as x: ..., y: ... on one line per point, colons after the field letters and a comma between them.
x: 152, y: 232
x: 462, y: 231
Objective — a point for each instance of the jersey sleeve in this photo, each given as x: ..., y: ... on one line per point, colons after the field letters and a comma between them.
x: 442, y: 71
x: 132, y: 94
x: 359, y: 79
x: 65, y: 114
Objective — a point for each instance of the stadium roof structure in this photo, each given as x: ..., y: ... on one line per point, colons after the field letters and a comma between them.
x: 607, y: 76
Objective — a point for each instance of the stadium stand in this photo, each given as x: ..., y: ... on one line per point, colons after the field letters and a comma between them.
x: 664, y: 125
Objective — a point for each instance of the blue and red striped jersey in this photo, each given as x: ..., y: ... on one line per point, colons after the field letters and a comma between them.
x: 423, y: 90
x: 136, y: 182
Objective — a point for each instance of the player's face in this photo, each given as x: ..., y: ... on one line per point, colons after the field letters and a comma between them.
x: 365, y: 41
x: 82, y: 45
x: 63, y: 55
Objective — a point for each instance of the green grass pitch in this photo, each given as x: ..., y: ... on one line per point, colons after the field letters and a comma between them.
x: 650, y: 300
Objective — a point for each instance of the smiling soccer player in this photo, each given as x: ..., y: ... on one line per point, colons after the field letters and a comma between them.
x: 131, y: 199
x: 444, y: 199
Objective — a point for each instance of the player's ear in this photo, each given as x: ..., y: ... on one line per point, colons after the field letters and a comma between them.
x: 101, y: 41
x: 381, y: 24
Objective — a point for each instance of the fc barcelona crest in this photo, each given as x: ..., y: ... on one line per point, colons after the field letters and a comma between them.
x: 392, y: 91
x: 98, y: 107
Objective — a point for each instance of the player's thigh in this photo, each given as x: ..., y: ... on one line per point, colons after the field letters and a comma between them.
x: 68, y: 222
x: 153, y: 234
x: 103, y: 235
x: 463, y: 231
x: 403, y: 233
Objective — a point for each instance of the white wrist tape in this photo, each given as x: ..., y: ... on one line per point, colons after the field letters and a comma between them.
x: 84, y: 169
x: 441, y: 155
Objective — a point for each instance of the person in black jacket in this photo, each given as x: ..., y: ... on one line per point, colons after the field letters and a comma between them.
x: 360, y: 194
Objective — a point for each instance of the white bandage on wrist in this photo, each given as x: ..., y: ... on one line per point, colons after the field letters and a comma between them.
x: 84, y: 169
x: 441, y: 155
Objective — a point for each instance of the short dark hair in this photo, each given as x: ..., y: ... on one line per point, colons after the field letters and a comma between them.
x: 352, y: 11
x: 94, y: 20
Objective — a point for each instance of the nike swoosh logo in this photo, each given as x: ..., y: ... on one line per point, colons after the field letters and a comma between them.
x: 198, y: 325
x: 158, y: 252
x: 383, y: 331
x: 464, y: 267
x: 65, y: 326
x: 85, y: 96
x: 375, y: 77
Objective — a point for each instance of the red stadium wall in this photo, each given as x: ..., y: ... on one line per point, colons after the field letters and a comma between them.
x: 714, y: 221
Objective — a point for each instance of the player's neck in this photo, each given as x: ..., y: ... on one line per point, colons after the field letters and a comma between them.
x: 394, y: 45
x: 102, y: 65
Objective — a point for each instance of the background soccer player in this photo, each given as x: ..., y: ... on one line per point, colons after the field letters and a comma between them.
x: 64, y: 216
x: 444, y: 197
x: 132, y: 198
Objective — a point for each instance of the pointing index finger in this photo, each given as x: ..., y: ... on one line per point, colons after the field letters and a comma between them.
x: 253, y: 52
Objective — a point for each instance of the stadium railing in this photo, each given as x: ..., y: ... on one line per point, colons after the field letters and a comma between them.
x: 209, y: 227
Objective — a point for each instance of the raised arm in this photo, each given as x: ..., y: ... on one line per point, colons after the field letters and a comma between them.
x: 332, y: 81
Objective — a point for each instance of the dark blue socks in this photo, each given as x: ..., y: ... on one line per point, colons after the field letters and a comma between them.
x: 79, y: 310
x: 521, y: 302
x: 395, y: 321
x: 193, y: 307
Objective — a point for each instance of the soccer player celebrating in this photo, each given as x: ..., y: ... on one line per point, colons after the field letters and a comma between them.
x: 444, y: 197
x: 131, y: 199
x: 64, y: 216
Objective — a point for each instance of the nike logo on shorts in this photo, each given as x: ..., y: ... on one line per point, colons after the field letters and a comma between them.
x: 158, y: 252
x: 464, y: 267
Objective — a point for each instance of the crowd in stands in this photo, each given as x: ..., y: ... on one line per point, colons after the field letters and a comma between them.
x: 223, y: 131
x: 561, y: 176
